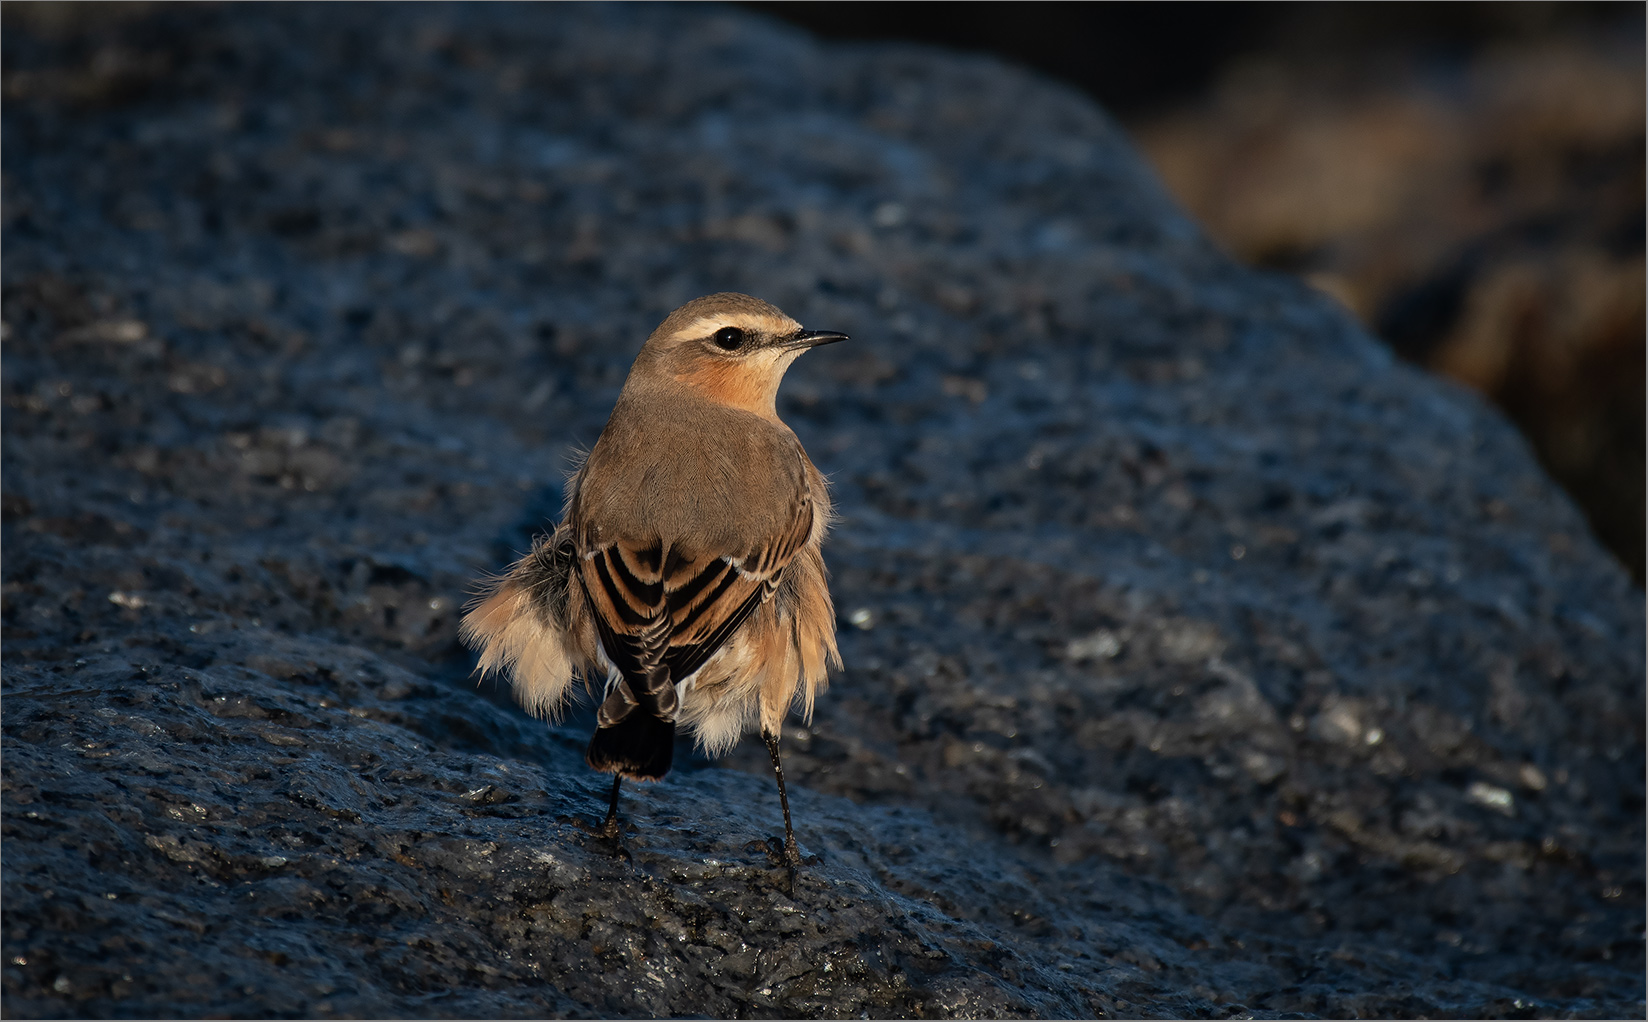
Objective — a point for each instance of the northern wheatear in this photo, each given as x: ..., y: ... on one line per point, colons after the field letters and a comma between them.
x: 686, y: 569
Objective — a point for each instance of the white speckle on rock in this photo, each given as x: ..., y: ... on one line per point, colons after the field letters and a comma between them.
x: 1532, y: 777
x: 1492, y: 797
x: 1339, y: 722
x: 888, y: 215
x: 1103, y: 644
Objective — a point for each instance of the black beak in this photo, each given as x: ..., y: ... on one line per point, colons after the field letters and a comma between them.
x: 813, y: 338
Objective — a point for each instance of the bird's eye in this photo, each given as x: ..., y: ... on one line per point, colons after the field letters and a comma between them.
x: 729, y: 337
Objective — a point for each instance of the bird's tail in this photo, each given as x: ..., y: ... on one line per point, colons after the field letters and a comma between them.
x: 640, y: 747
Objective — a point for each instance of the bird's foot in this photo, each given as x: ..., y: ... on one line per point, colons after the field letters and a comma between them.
x: 589, y: 826
x: 613, y: 831
x: 783, y: 853
x: 610, y: 831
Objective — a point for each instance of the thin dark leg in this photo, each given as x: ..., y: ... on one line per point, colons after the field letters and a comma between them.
x: 790, y: 850
x: 610, y: 829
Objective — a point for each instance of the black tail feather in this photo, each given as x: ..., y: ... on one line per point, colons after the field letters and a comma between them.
x: 640, y: 747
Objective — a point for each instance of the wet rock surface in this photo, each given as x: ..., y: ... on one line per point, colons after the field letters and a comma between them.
x: 1201, y: 660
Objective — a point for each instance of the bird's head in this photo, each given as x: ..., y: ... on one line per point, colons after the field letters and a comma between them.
x: 729, y: 348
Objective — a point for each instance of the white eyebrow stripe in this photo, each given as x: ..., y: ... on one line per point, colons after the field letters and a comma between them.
x: 703, y: 326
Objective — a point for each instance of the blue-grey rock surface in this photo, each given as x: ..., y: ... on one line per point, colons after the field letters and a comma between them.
x: 1202, y: 661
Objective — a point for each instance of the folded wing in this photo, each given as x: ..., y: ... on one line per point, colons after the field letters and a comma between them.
x: 662, y: 610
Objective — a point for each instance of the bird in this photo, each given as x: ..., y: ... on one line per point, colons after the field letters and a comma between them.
x: 685, y: 582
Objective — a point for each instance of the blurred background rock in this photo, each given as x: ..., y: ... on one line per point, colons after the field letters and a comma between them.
x: 1467, y: 178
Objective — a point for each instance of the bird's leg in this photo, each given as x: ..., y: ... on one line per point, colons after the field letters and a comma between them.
x: 790, y: 851
x: 610, y: 828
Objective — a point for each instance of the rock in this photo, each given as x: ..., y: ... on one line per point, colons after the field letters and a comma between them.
x: 390, y: 269
x: 1410, y: 193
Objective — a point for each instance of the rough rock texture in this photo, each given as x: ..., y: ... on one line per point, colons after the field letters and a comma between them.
x: 1202, y: 661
